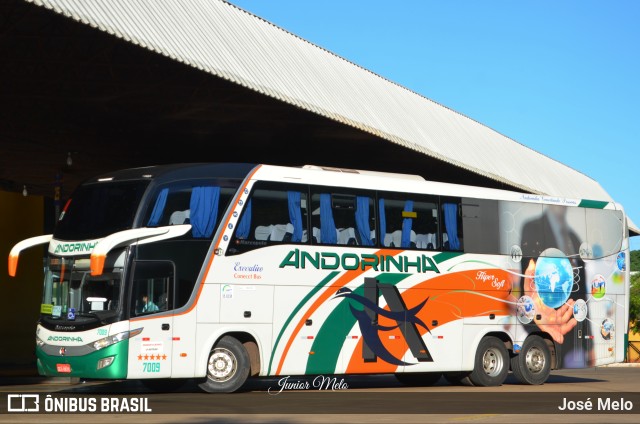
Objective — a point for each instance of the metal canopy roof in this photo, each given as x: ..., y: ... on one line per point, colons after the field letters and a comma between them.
x: 272, y: 93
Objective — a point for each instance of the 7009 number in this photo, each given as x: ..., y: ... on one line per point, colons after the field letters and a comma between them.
x: 151, y: 366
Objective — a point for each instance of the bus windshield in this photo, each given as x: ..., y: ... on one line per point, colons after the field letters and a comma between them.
x: 97, y: 210
x: 70, y: 292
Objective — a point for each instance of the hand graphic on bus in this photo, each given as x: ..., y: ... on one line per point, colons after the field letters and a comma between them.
x: 556, y: 322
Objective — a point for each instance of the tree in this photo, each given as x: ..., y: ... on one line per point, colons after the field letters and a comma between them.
x: 635, y: 260
x: 634, y: 303
x: 634, y: 300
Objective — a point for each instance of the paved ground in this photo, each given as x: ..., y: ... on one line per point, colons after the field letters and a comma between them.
x: 373, y: 399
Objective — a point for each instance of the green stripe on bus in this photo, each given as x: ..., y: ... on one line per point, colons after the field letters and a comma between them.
x: 593, y: 204
x: 333, y: 333
x: 445, y: 256
x: 293, y: 313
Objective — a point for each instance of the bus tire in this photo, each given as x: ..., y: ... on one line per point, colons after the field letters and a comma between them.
x: 533, y: 364
x: 228, y: 367
x: 491, y: 365
x: 418, y: 379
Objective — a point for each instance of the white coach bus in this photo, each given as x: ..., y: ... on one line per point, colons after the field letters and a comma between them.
x: 225, y: 272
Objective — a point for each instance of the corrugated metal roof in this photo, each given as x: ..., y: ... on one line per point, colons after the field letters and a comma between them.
x: 224, y: 40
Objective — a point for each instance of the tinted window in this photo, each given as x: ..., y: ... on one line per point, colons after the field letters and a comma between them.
x: 341, y: 216
x: 97, y: 210
x: 274, y: 213
x: 481, y: 228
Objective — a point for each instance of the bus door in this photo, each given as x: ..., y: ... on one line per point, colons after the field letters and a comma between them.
x: 150, y: 352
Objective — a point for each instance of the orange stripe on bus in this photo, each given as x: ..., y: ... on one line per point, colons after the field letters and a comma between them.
x: 330, y: 290
x: 470, y: 298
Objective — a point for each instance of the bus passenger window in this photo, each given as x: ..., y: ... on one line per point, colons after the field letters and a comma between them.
x: 274, y: 213
x: 346, y: 218
x: 481, y: 226
x: 322, y: 221
x: 425, y: 224
x: 397, y: 218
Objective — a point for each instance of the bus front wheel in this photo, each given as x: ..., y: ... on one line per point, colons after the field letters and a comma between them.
x: 227, y: 368
x: 533, y: 364
x: 491, y: 365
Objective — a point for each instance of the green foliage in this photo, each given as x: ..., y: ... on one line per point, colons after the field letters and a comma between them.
x: 634, y: 303
x: 634, y: 300
x: 635, y: 260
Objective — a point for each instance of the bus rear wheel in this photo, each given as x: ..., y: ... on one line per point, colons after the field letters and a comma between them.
x: 227, y: 368
x: 533, y: 364
x: 491, y: 365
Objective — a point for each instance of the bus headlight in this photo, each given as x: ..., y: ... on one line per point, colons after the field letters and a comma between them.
x: 39, y: 342
x: 108, y: 341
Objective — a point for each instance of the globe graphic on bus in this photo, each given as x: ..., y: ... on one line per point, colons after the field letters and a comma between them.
x: 554, y: 280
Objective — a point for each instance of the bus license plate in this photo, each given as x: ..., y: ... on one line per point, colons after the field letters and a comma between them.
x: 66, y: 368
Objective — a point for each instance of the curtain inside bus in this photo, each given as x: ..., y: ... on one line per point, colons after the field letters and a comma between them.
x: 158, y: 209
x: 362, y: 220
x: 407, y: 222
x: 204, y: 210
x: 451, y: 224
x: 295, y: 215
x: 328, y: 233
x: 383, y: 221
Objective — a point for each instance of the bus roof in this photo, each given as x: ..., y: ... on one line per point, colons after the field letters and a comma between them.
x: 340, y: 177
x: 363, y: 179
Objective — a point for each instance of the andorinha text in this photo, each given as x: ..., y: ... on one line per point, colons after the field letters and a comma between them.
x: 75, y: 247
x: 352, y: 261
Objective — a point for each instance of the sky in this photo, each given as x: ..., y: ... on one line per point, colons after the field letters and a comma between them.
x: 561, y: 77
